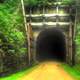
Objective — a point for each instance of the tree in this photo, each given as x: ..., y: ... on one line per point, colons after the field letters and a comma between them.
x: 13, y: 40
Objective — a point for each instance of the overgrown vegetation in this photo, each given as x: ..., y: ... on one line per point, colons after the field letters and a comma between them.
x: 12, y: 35
x: 77, y: 37
x: 48, y: 2
x: 13, y: 43
x: 73, y: 71
x: 19, y: 75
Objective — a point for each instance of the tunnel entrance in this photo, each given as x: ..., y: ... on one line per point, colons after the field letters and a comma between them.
x: 51, y: 45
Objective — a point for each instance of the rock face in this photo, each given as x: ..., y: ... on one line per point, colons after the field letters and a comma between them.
x: 51, y: 44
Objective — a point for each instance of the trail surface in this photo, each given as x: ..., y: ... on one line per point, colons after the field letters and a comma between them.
x: 47, y: 71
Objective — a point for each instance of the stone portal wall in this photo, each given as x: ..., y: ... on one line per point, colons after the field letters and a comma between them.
x: 54, y: 16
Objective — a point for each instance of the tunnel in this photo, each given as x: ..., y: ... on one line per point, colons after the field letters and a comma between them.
x: 50, y: 45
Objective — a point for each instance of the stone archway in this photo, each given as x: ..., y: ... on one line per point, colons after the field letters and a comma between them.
x: 51, y: 45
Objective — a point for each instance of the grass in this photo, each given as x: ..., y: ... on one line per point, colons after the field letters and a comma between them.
x: 73, y: 71
x: 17, y: 75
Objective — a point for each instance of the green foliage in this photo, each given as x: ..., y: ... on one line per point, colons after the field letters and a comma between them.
x: 68, y: 2
x: 20, y: 74
x: 12, y: 37
x: 11, y: 21
x: 77, y: 40
x: 73, y: 71
x: 32, y: 3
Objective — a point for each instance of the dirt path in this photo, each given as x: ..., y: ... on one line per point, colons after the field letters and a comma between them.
x: 48, y: 71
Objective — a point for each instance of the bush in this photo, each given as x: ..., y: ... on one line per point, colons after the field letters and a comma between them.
x: 12, y: 33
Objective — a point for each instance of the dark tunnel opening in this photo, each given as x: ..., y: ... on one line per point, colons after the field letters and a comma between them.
x: 51, y: 45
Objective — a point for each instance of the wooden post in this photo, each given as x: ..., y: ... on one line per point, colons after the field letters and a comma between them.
x: 74, y: 37
x: 26, y: 28
x: 70, y: 43
x: 75, y: 25
x: 67, y: 53
x: 30, y: 32
x: 43, y: 14
x: 57, y: 17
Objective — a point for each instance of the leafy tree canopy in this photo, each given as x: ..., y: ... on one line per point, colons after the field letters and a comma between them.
x: 11, y: 23
x: 45, y: 2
